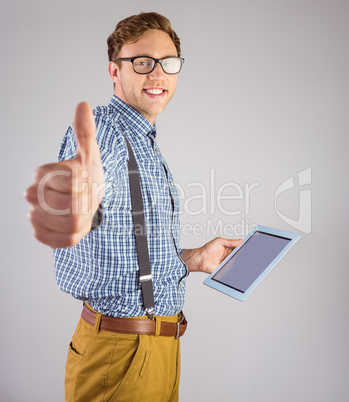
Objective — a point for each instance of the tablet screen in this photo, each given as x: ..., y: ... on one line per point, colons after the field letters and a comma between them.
x: 256, y: 254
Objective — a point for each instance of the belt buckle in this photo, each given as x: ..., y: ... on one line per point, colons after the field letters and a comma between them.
x: 178, y: 326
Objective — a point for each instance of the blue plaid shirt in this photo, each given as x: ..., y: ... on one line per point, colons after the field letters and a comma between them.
x: 103, y: 269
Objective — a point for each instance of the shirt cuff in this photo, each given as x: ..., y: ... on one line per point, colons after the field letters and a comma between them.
x: 97, y: 218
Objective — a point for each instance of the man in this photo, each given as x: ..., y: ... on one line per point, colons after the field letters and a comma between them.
x: 122, y: 349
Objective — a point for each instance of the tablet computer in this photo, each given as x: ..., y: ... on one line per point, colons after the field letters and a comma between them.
x: 249, y: 263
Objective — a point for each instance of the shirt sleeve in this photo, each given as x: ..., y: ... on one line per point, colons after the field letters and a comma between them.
x: 68, y: 146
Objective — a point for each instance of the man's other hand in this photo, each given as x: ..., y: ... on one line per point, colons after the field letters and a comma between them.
x: 208, y: 257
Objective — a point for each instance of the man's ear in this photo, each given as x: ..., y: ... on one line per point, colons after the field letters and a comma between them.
x: 113, y: 72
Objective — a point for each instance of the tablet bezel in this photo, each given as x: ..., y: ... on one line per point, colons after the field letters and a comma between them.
x: 240, y: 295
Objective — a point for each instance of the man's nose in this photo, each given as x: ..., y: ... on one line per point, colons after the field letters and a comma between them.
x: 157, y: 73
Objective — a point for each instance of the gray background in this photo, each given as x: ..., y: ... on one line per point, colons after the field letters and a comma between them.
x: 262, y: 96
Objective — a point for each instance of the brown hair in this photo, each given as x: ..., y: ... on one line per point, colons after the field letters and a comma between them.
x: 132, y: 28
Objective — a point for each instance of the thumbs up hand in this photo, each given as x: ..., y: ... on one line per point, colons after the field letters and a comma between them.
x: 65, y: 195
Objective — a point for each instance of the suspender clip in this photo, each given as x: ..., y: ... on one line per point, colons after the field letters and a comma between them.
x: 150, y: 313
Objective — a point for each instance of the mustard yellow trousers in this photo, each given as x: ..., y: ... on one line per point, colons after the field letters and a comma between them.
x: 108, y: 366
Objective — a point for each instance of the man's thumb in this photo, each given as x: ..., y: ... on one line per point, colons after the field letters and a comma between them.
x: 85, y: 131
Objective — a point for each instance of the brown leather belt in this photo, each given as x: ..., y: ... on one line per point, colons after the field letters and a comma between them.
x: 134, y: 325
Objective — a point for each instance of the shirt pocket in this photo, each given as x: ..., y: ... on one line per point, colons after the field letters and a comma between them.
x: 150, y: 178
x: 117, y: 192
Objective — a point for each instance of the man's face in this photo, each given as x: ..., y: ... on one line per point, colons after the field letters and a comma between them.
x: 141, y: 91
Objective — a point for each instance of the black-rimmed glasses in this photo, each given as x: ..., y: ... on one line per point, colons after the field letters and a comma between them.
x: 145, y: 64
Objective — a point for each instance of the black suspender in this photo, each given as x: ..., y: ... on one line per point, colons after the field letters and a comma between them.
x: 145, y: 276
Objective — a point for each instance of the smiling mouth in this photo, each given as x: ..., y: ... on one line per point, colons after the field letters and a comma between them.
x: 154, y: 91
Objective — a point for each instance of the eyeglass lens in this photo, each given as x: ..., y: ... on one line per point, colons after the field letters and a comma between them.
x: 143, y: 65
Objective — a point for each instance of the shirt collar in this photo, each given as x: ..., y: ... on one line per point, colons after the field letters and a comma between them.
x: 136, y: 119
